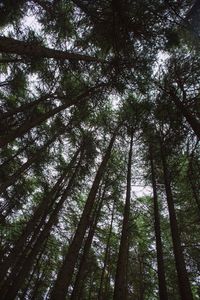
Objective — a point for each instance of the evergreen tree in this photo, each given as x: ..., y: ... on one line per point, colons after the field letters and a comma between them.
x: 99, y: 102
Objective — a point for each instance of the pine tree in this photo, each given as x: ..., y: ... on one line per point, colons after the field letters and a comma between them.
x: 75, y: 75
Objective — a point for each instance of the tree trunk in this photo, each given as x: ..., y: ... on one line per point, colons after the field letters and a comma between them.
x: 159, y: 247
x: 36, y: 222
x: 193, y: 184
x: 21, y: 270
x: 16, y: 176
x: 183, y: 280
x: 37, y: 286
x: 106, y: 256
x: 33, y: 271
x: 91, y: 286
x: 194, y: 123
x: 141, y: 277
x: 78, y: 285
x: 28, y: 125
x: 35, y: 158
x: 121, y: 289
x: 27, y: 106
x: 66, y: 272
x: 33, y: 50
x: 20, y: 151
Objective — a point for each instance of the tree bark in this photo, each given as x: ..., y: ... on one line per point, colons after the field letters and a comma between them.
x: 78, y: 285
x: 194, y: 123
x: 33, y: 272
x: 15, y: 279
x: 20, y: 151
x: 35, y: 223
x: 16, y: 176
x: 25, y: 107
x: 190, y: 118
x: 28, y: 125
x: 159, y: 247
x: 193, y: 184
x: 66, y: 272
x: 35, y: 158
x: 106, y: 257
x: 183, y: 280
x: 33, y: 50
x: 121, y: 289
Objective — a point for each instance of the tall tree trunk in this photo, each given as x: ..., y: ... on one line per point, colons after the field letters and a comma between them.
x: 16, y: 176
x: 28, y: 125
x: 159, y: 247
x: 194, y: 192
x: 194, y: 123
x: 66, y: 272
x: 190, y: 118
x: 24, y: 107
x: 183, y: 280
x: 18, y: 152
x: 121, y: 290
x: 193, y: 184
x: 106, y: 257
x: 35, y: 158
x: 36, y: 222
x: 15, y: 279
x: 141, y: 277
x: 91, y: 286
x: 33, y: 50
x: 33, y: 272
x: 35, y: 295
x: 78, y: 285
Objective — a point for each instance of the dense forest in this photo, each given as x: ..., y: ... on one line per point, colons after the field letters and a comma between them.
x: 99, y: 149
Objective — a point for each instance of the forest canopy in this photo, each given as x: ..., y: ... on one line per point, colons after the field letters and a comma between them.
x: 99, y: 149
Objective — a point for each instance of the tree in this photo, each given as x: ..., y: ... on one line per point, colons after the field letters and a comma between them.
x: 159, y: 246
x: 121, y: 288
x: 10, y: 45
x: 66, y: 271
x: 184, y: 285
x: 82, y: 84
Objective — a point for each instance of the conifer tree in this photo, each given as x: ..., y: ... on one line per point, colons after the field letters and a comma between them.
x: 83, y: 84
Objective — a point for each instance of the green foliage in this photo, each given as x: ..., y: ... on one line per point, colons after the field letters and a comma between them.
x: 11, y: 11
x: 114, y: 84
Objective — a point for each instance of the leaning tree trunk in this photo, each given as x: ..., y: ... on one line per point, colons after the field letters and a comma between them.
x: 183, y: 280
x: 36, y: 222
x: 106, y: 257
x: 33, y: 272
x: 26, y: 106
x: 18, y: 152
x: 33, y: 50
x: 79, y: 282
x: 65, y: 274
x: 121, y: 290
x: 29, y: 124
x: 33, y: 159
x: 159, y: 247
x: 25, y: 167
x: 21, y: 270
x: 194, y: 123
x: 193, y: 183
